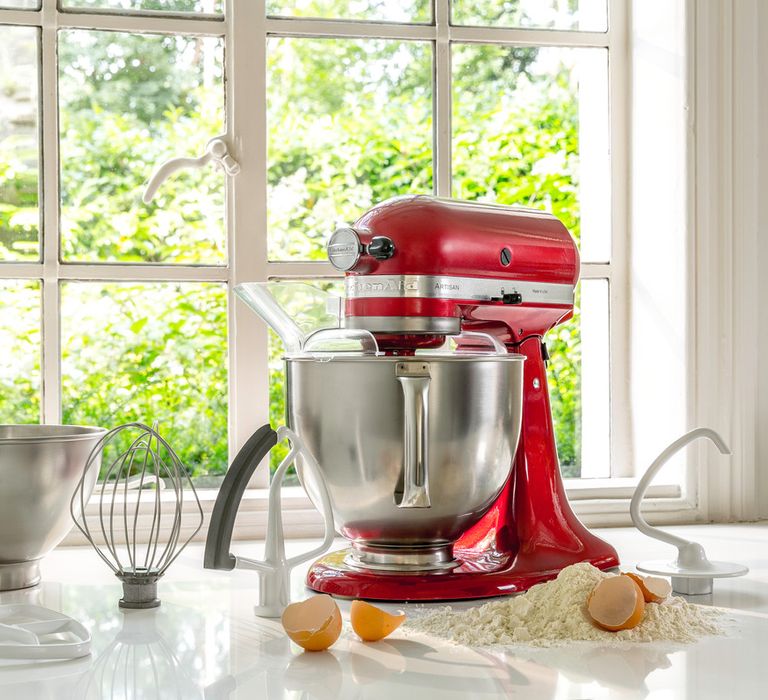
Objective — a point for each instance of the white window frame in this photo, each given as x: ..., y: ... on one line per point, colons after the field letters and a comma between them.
x: 245, y: 30
x: 727, y: 207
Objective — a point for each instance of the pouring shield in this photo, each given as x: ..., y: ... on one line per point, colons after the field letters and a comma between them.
x: 294, y: 310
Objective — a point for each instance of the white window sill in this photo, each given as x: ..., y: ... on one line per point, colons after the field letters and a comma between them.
x: 616, y: 488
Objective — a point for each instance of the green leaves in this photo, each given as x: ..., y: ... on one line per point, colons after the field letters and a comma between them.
x: 350, y: 124
x: 359, y: 118
x: 153, y: 351
x: 137, y: 325
x: 516, y: 142
x: 20, y: 357
x: 155, y: 100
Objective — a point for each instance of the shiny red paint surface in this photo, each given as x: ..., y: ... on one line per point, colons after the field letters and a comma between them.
x: 530, y: 533
x: 449, y: 237
x: 464, y: 239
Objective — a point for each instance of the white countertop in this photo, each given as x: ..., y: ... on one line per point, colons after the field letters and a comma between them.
x: 205, y: 642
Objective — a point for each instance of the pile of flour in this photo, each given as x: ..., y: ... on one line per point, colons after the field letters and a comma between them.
x: 555, y: 612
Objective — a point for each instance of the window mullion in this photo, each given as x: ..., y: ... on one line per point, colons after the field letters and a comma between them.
x: 131, y: 272
x: 442, y: 101
x: 528, y: 37
x: 591, y: 270
x: 618, y: 81
x: 51, y: 364
x: 141, y: 23
x: 25, y: 270
x: 246, y: 54
x: 302, y: 270
x: 348, y: 29
x: 24, y: 18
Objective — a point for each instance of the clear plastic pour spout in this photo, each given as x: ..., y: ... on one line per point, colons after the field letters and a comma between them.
x: 319, y: 332
x: 259, y: 299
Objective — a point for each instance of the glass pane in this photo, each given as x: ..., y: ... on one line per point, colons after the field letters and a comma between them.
x: 579, y: 375
x: 206, y: 6
x: 350, y: 124
x: 149, y: 352
x: 19, y: 4
x: 308, y: 312
x: 586, y: 15
x: 20, y: 356
x: 530, y: 127
x: 372, y: 10
x: 127, y: 103
x: 19, y: 149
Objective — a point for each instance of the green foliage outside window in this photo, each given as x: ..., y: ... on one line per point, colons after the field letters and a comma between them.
x: 131, y: 351
x: 523, y: 153
x: 160, y: 351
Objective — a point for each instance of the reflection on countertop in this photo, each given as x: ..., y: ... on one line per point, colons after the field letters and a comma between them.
x: 205, y: 642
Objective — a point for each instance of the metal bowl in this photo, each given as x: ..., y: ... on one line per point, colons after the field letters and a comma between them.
x: 40, y: 466
x: 414, y: 451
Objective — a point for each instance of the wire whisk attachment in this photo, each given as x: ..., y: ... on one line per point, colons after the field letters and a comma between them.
x: 143, y: 478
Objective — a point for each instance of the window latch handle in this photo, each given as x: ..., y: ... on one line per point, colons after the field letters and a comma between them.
x: 216, y: 150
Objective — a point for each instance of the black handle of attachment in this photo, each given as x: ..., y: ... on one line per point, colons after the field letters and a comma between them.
x: 217, y: 555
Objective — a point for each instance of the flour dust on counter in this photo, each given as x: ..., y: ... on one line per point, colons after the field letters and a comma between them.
x: 554, y: 613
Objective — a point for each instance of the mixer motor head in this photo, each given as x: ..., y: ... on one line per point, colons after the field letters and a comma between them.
x: 419, y: 268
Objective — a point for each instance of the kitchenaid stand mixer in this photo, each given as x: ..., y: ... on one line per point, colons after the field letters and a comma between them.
x: 419, y: 270
x: 420, y: 267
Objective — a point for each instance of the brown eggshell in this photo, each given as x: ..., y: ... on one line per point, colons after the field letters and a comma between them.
x: 616, y: 603
x: 314, y: 624
x: 655, y: 590
x: 371, y: 623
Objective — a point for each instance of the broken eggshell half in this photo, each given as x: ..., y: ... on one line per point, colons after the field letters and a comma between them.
x: 616, y: 603
x: 654, y: 589
x: 371, y: 623
x: 314, y: 624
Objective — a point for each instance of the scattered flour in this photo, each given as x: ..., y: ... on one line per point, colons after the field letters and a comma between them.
x: 554, y: 613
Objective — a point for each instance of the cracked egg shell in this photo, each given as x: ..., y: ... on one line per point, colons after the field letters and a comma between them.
x: 314, y: 624
x: 371, y: 623
x: 616, y: 603
x: 655, y: 589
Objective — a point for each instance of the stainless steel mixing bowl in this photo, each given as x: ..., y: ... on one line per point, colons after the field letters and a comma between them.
x: 40, y: 466
x: 413, y: 450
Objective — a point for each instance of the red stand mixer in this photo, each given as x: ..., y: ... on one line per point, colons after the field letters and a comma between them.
x: 439, y: 466
x: 418, y: 268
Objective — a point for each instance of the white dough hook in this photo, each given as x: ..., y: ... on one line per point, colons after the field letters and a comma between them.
x: 216, y: 150
x: 692, y: 573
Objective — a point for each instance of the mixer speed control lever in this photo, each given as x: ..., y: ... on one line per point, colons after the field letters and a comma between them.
x: 511, y: 298
x: 381, y: 248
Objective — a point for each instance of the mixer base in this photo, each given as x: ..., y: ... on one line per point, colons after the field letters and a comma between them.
x: 478, y: 575
x: 22, y: 574
x: 400, y: 560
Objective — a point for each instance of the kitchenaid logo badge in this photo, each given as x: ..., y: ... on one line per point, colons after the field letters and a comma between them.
x: 339, y: 249
x: 388, y: 285
x: 404, y: 286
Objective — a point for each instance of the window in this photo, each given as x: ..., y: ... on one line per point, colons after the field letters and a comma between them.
x: 115, y: 310
x: 466, y: 102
